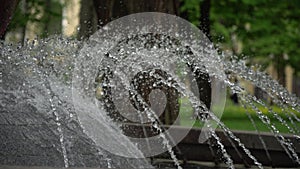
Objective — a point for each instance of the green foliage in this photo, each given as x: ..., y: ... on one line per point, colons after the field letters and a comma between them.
x: 35, y: 11
x: 192, y: 8
x: 267, y: 29
x: 236, y: 118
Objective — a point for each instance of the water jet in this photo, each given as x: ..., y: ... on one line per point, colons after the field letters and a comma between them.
x: 67, y: 103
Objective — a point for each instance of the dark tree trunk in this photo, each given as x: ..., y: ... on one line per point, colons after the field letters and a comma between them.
x: 281, y: 70
x: 3, y: 36
x: 53, y: 24
x: 7, y: 8
x: 47, y: 17
x: 108, y: 10
x: 88, y: 19
x: 202, y: 78
x: 24, y: 8
x: 204, y: 18
x: 103, y: 11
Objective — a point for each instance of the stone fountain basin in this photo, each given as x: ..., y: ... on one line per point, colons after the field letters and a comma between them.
x: 29, y: 137
x: 192, y: 150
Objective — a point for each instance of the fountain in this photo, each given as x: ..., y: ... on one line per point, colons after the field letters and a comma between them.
x: 113, y: 101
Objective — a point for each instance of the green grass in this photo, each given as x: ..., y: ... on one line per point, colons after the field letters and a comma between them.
x: 236, y: 118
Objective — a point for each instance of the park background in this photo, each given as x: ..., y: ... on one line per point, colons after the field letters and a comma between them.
x: 264, y: 33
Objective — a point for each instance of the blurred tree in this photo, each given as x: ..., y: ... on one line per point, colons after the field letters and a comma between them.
x: 190, y: 10
x: 104, y: 11
x: 88, y: 19
x: 108, y: 10
x: 52, y: 17
x: 204, y: 17
x: 198, y: 13
x: 47, y: 14
x: 264, y: 30
x: 6, y: 11
x: 268, y: 30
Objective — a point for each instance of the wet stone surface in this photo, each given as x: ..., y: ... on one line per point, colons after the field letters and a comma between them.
x: 29, y: 134
x: 29, y: 138
x: 34, y: 115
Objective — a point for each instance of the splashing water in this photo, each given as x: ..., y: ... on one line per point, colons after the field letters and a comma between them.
x: 37, y: 78
x: 78, y: 101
